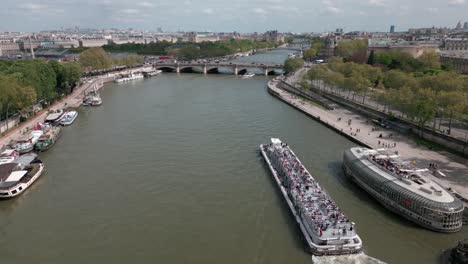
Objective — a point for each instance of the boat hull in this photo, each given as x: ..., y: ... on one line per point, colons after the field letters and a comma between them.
x: 25, y: 150
x: 394, y: 206
x: 319, y: 250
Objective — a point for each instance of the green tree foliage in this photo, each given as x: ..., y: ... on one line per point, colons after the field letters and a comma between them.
x: 95, y: 59
x: 24, y: 82
x: 399, y: 60
x: 419, y: 97
x: 72, y: 72
x: 352, y: 50
x: 187, y: 50
x: 293, y: 64
x: 36, y: 73
x: 289, y: 39
x: 309, y: 54
x: 14, y: 96
x: 128, y: 61
x: 430, y: 60
x: 67, y: 75
x: 395, y: 79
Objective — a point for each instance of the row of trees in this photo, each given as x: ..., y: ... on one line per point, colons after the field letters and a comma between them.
x: 418, y: 97
x: 98, y: 59
x: 206, y: 49
x: 25, y: 82
x: 189, y: 50
x: 427, y: 63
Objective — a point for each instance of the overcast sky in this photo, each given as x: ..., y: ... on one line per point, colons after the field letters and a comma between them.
x: 232, y: 15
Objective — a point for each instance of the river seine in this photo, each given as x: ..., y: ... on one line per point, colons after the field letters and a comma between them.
x: 167, y: 170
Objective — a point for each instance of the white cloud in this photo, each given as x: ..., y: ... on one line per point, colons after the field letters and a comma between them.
x: 208, y: 11
x: 332, y: 6
x: 34, y: 7
x: 145, y: 4
x: 259, y: 10
x: 130, y: 11
x: 457, y: 2
x: 377, y: 2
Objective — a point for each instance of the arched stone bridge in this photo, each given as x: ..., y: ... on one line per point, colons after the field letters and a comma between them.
x: 211, y: 67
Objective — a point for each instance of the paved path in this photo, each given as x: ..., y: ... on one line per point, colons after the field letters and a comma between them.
x: 453, y: 170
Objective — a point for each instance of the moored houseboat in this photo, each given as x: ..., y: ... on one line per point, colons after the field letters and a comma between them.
x: 16, y: 178
x: 8, y: 156
x: 48, y: 139
x: 26, y: 143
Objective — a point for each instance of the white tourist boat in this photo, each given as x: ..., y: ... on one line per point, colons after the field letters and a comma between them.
x: 326, y: 229
x: 15, y: 178
x: 248, y: 75
x: 8, y: 156
x: 69, y: 118
x: 26, y: 143
x: 152, y: 73
x: 130, y: 77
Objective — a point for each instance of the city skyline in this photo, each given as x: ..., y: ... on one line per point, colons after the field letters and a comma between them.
x: 241, y: 15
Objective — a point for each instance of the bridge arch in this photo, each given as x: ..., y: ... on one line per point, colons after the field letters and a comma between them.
x: 166, y: 69
x: 188, y: 69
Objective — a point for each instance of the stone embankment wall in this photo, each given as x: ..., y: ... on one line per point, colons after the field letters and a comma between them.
x: 12, y: 122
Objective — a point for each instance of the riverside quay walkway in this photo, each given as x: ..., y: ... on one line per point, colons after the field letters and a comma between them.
x: 452, y: 171
x: 213, y: 67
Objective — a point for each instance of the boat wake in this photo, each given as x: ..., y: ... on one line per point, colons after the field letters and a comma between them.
x: 360, y: 258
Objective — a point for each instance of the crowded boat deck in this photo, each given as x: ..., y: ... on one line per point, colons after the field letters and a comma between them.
x: 324, y: 225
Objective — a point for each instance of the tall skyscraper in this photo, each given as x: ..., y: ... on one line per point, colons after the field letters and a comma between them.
x: 458, y: 25
x: 392, y: 29
x: 465, y: 25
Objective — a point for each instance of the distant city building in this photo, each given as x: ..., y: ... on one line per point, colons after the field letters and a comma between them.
x: 95, y: 42
x: 392, y: 29
x: 465, y: 25
x: 273, y: 35
x: 9, y: 49
x: 456, y: 44
x: 339, y: 31
x: 414, y: 48
x: 159, y: 30
x: 459, y: 25
x: 458, y: 59
x: 428, y: 31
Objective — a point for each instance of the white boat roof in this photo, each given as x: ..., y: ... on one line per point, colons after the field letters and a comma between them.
x: 275, y: 141
x: 426, y: 188
x: 16, y: 176
x: 7, y: 152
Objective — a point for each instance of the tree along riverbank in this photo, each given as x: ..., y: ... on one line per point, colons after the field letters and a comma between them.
x: 24, y: 83
x: 425, y: 99
x: 361, y: 130
x: 191, y: 50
